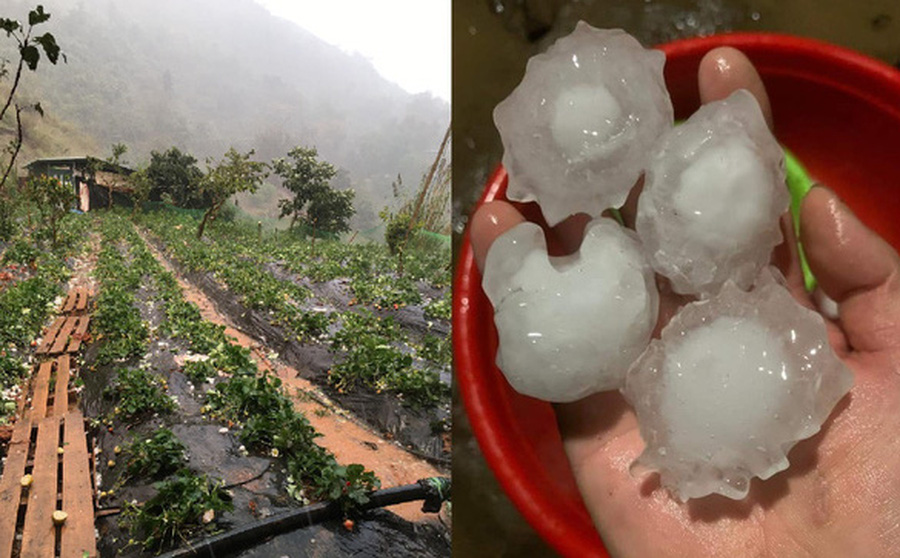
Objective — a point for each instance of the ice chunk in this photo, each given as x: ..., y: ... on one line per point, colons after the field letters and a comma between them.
x: 712, y: 197
x: 734, y: 382
x: 570, y: 326
x: 577, y: 130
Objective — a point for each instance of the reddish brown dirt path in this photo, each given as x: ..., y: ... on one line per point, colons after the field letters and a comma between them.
x: 342, y: 435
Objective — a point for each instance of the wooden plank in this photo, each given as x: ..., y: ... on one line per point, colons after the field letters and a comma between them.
x: 76, y: 301
x: 78, y: 532
x: 62, y: 339
x: 79, y: 333
x: 61, y: 392
x: 21, y: 400
x: 83, y: 296
x: 10, y: 487
x: 50, y: 335
x: 39, y: 534
x: 69, y: 304
x: 41, y: 391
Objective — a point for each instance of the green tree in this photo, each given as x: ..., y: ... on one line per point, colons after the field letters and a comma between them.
x: 53, y: 199
x: 177, y: 174
x: 315, y: 202
x: 115, y: 179
x: 234, y: 173
x: 398, y: 228
x: 330, y: 210
x: 118, y: 149
x: 141, y: 185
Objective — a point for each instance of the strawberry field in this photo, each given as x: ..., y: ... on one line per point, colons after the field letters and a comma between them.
x: 377, y: 341
x: 195, y: 434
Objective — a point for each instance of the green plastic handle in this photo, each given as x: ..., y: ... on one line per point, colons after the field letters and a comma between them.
x: 799, y: 183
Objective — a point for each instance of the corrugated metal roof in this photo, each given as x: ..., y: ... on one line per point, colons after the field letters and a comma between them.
x: 82, y: 158
x: 104, y: 165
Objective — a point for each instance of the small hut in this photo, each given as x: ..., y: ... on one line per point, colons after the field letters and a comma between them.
x: 93, y: 180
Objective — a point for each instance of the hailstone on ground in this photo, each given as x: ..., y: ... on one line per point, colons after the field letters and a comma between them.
x: 712, y: 198
x: 577, y: 130
x: 569, y: 326
x: 734, y: 382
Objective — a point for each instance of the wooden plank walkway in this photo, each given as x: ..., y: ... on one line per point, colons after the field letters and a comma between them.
x: 76, y: 301
x: 64, y: 336
x: 49, y: 443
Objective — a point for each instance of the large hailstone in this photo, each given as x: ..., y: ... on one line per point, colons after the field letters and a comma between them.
x: 712, y: 198
x: 734, y: 382
x: 569, y: 326
x: 577, y: 130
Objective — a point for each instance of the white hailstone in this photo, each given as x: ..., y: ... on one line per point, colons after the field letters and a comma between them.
x: 732, y: 385
x: 577, y: 130
x: 712, y: 198
x: 569, y: 326
x: 827, y: 306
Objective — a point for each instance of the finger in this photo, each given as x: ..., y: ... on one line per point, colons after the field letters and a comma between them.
x: 855, y: 268
x: 490, y: 221
x: 786, y: 257
x: 723, y: 71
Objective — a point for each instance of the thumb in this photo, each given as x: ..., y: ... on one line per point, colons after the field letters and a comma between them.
x: 490, y: 221
x: 856, y: 268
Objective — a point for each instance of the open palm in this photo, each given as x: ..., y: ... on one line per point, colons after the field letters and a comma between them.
x: 840, y: 495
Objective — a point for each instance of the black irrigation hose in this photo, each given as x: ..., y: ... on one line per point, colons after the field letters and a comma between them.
x: 433, y: 491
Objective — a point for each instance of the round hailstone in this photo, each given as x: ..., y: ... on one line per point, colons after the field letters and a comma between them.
x: 577, y: 130
x: 732, y: 384
x: 569, y: 326
x: 712, y: 198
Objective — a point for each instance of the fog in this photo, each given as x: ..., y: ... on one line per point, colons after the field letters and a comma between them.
x: 205, y: 75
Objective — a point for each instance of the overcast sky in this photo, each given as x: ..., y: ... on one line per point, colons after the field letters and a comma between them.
x: 408, y: 41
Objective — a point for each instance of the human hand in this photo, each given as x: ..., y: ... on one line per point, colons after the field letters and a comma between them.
x: 838, y: 497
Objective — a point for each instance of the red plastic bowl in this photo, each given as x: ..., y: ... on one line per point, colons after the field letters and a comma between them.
x: 837, y: 110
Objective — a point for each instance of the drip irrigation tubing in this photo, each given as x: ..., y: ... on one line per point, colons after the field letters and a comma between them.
x: 434, y: 491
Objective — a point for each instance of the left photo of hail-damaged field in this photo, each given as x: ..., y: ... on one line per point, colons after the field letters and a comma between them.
x: 225, y: 278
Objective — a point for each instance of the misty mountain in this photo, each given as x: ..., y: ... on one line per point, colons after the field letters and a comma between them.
x: 205, y: 75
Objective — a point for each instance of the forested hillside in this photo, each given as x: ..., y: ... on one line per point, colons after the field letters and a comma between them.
x: 205, y: 75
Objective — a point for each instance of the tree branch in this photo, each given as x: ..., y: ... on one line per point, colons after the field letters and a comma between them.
x: 15, y: 85
x: 15, y: 153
